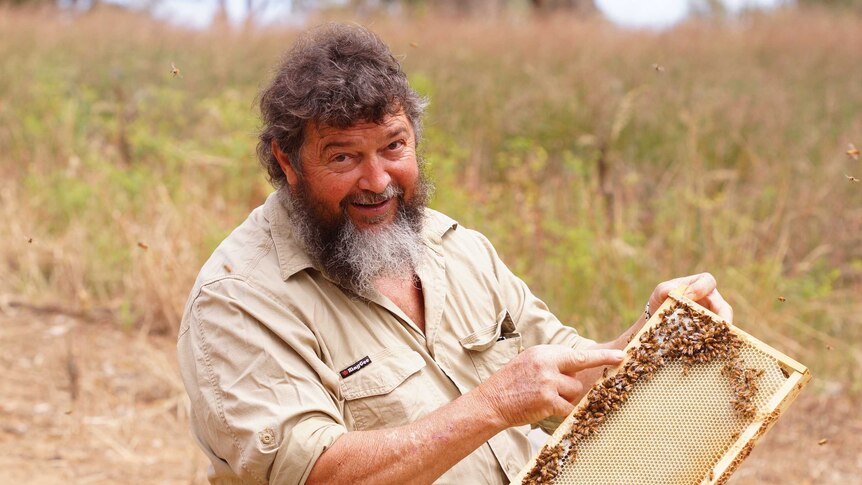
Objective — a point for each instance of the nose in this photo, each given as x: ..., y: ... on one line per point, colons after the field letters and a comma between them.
x: 375, y: 176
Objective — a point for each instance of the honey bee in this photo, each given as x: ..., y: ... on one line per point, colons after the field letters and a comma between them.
x: 852, y: 151
x: 414, y: 45
x: 828, y: 347
x: 711, y: 475
x: 781, y: 299
x: 822, y: 442
x: 851, y: 178
x: 228, y: 268
x: 29, y: 240
x: 143, y: 245
x: 175, y: 71
x: 658, y: 67
x: 785, y: 373
x: 604, y: 373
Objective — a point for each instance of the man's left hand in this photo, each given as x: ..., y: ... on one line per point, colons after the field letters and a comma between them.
x: 700, y: 287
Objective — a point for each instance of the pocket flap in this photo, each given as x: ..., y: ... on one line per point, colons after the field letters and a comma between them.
x: 484, y: 338
x: 386, y: 371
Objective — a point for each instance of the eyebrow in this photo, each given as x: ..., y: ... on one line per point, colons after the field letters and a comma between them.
x: 397, y: 131
x: 335, y: 144
x: 394, y: 132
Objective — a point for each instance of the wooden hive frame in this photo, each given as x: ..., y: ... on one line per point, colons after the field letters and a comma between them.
x: 552, y: 462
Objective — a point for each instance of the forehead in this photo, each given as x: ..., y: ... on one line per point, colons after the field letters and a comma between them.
x: 389, y: 124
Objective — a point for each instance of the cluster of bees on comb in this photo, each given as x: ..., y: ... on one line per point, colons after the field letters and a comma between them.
x: 683, y: 334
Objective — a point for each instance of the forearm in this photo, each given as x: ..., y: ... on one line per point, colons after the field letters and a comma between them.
x: 418, y: 452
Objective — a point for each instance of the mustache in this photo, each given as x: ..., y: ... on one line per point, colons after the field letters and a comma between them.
x: 369, y: 197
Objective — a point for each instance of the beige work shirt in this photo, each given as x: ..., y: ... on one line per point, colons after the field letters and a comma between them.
x: 279, y: 361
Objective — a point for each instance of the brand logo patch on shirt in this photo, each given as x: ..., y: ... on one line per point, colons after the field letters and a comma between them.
x: 355, y: 367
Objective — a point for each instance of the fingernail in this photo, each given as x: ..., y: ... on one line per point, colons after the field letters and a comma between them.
x: 617, y: 354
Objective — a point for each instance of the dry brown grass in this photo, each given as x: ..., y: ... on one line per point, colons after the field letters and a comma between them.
x: 731, y: 159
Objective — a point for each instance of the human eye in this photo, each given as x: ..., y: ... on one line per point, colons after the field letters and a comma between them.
x: 341, y: 162
x: 395, y: 145
x: 340, y: 158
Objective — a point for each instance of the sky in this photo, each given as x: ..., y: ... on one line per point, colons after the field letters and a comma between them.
x: 656, y: 14
x: 649, y: 14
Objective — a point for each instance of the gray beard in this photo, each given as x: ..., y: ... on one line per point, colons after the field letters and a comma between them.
x: 355, y: 258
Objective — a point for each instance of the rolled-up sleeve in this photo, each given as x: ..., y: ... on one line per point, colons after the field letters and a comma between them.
x: 262, y: 403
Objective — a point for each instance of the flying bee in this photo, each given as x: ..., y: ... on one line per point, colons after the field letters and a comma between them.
x: 851, y: 178
x: 658, y: 67
x: 175, y: 71
x: 414, y: 45
x: 143, y: 245
x: 852, y: 151
x: 822, y: 442
x: 781, y: 299
x: 828, y: 347
x: 29, y: 240
x: 227, y: 268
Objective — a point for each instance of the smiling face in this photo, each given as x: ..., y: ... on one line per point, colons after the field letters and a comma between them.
x: 357, y: 171
x: 357, y: 208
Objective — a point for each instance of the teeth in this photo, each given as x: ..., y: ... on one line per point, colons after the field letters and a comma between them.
x: 371, y: 203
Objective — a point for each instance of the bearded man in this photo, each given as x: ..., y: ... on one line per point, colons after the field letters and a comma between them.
x: 346, y: 333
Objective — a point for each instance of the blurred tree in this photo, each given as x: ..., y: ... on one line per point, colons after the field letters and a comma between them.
x: 475, y: 6
x: 854, y: 4
x: 25, y: 2
x: 220, y: 18
x: 253, y: 11
x: 580, y: 6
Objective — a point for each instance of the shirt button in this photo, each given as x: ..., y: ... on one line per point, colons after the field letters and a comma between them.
x: 267, y: 436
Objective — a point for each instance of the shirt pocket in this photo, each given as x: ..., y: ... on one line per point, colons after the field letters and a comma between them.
x: 387, y: 392
x: 492, y: 347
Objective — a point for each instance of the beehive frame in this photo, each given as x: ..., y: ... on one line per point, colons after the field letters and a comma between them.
x: 729, y: 433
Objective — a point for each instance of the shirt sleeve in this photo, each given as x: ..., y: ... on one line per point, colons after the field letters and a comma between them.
x: 535, y: 322
x: 262, y: 404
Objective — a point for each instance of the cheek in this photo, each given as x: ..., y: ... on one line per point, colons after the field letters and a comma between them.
x: 407, y: 173
x: 332, y: 190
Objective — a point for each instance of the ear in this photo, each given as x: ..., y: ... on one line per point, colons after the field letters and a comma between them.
x: 284, y: 163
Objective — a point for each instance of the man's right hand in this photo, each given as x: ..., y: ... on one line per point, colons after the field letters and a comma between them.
x: 541, y: 382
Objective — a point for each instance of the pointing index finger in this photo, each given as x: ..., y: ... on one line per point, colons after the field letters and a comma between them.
x: 578, y: 360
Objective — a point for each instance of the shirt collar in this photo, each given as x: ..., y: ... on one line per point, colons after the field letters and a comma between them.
x: 292, y: 258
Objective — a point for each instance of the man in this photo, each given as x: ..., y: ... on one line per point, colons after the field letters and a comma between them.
x: 345, y: 333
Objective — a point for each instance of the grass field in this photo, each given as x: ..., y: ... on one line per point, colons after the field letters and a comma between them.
x: 599, y: 161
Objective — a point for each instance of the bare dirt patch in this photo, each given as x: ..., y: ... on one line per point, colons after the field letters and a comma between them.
x: 90, y: 403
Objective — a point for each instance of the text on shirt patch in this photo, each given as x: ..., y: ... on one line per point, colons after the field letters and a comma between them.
x: 355, y: 367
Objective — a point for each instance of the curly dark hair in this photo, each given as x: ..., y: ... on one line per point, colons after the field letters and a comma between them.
x: 334, y: 75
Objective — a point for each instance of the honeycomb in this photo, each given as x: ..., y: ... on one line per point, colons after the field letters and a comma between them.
x: 690, y: 417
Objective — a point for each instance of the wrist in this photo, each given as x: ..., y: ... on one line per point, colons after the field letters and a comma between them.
x: 486, y: 409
